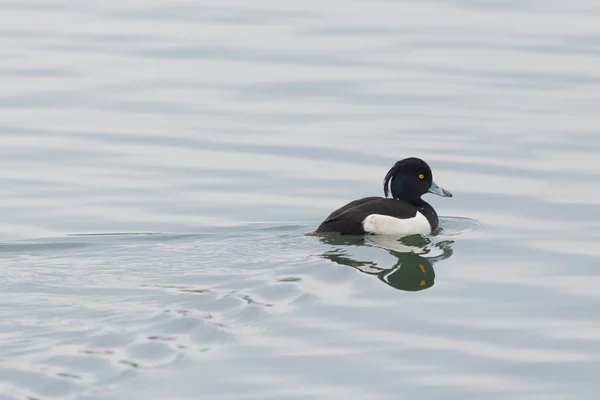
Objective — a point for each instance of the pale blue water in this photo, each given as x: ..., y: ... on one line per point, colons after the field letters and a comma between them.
x: 162, y: 161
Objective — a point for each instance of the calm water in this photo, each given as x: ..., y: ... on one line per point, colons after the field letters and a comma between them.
x: 208, y: 137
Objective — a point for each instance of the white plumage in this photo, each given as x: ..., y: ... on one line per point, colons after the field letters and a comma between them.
x: 386, y: 225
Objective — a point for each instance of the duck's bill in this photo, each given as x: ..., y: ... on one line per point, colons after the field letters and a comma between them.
x: 435, y: 189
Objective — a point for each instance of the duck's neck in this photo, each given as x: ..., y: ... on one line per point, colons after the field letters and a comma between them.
x: 427, y: 210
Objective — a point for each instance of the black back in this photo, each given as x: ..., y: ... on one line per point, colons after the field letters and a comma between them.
x: 350, y: 205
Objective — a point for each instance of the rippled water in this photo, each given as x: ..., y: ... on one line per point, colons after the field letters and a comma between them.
x: 161, y: 163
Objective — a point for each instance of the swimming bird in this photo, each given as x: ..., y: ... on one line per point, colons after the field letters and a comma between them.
x: 405, y: 213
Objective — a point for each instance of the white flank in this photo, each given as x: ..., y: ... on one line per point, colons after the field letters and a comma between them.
x: 386, y: 225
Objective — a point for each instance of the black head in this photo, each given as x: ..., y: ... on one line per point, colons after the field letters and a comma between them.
x: 409, y: 179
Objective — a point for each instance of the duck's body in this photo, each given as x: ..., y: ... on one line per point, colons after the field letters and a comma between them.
x: 404, y: 214
x: 382, y: 216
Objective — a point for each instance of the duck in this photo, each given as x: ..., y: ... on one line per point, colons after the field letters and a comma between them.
x: 404, y: 214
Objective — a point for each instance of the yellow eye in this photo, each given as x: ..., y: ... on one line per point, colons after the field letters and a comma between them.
x: 421, y: 176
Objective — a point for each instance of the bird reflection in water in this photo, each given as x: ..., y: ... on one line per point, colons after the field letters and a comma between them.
x: 412, y: 271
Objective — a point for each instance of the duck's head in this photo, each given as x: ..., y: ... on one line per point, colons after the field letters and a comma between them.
x: 409, y: 179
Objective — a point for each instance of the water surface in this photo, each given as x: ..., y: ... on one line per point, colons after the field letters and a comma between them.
x: 162, y: 161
